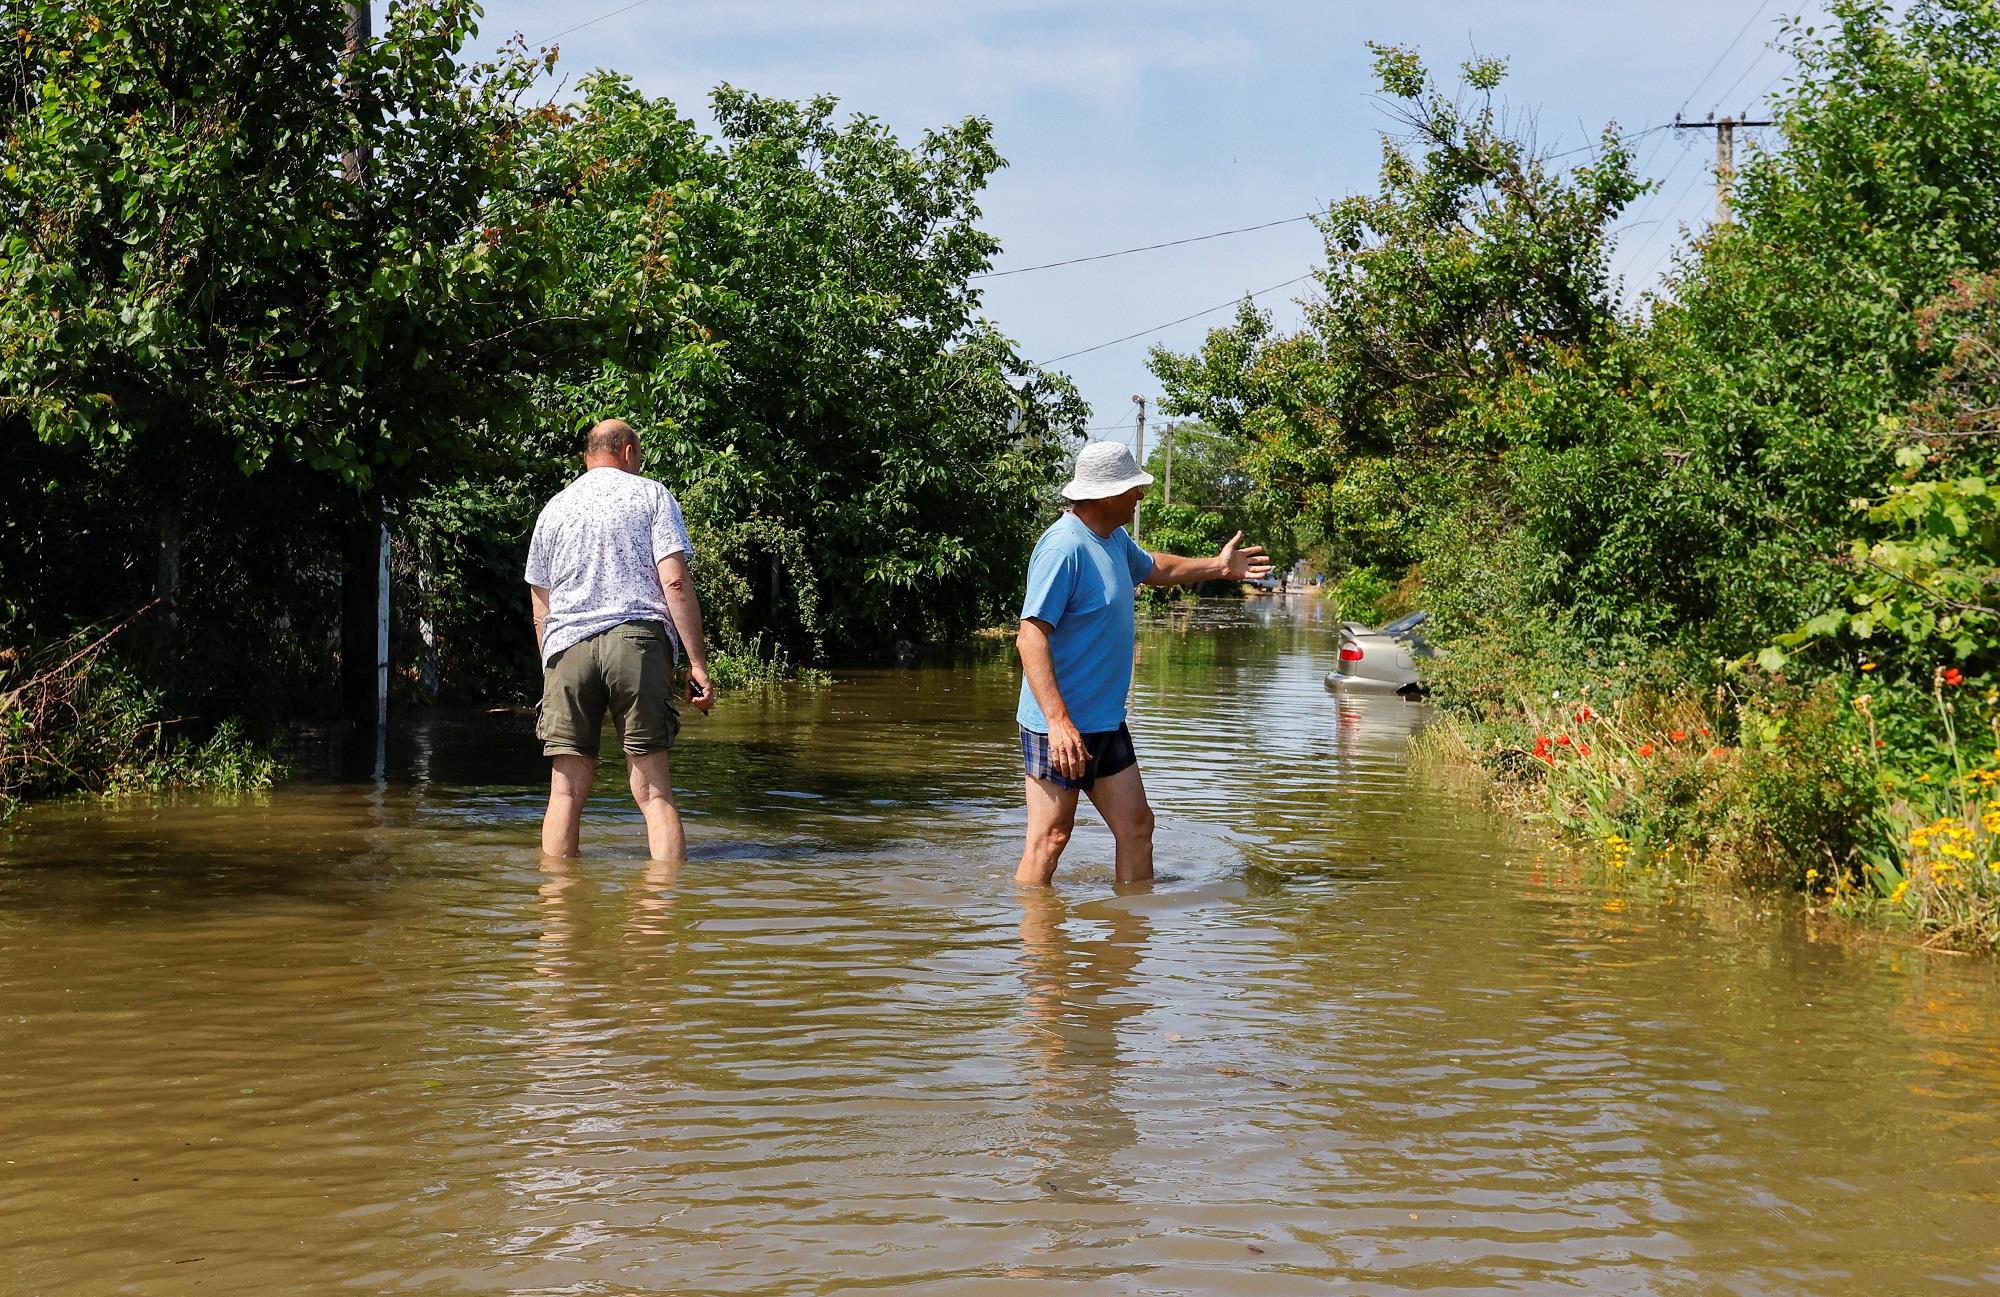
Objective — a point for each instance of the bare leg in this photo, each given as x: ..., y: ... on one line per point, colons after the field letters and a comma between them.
x: 570, y: 778
x: 653, y: 790
x: 1121, y: 800
x: 1051, y: 818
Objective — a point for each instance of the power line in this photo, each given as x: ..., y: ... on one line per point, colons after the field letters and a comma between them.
x: 1666, y: 217
x: 592, y: 22
x: 1654, y: 196
x: 1727, y: 50
x: 1247, y: 229
x: 1126, y: 252
x: 1628, y: 136
x: 1659, y: 260
x: 1068, y: 355
x: 1748, y: 69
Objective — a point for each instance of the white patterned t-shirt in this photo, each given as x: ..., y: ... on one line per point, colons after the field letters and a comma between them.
x: 595, y: 550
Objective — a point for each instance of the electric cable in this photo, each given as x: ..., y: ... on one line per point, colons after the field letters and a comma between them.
x: 1654, y: 195
x: 1726, y: 51
x: 592, y: 22
x: 1126, y: 252
x: 1748, y: 69
x: 1084, y: 351
x: 1245, y: 229
x: 1660, y: 258
x: 1622, y: 139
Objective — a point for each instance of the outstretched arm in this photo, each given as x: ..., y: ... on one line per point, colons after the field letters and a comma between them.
x: 1066, y: 752
x: 1236, y: 562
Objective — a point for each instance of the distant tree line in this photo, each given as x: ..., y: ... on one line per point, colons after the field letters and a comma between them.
x: 227, y: 354
x: 1756, y: 515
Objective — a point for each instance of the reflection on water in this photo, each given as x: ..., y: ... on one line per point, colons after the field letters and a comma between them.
x: 1357, y: 1039
x: 1079, y: 988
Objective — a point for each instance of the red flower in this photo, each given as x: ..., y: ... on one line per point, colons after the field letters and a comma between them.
x: 1716, y: 752
x: 1703, y: 731
x: 1543, y: 752
x: 1563, y: 739
x: 1584, y: 713
x: 1583, y: 749
x: 1645, y: 749
x: 1677, y: 736
x: 1953, y: 676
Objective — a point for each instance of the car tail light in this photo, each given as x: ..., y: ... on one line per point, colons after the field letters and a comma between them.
x: 1349, y: 651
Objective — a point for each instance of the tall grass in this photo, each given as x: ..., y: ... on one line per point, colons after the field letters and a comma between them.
x: 74, y: 719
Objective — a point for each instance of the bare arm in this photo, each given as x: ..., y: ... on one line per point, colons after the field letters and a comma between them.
x: 538, y: 601
x: 1066, y: 752
x: 1236, y: 562
x: 685, y: 608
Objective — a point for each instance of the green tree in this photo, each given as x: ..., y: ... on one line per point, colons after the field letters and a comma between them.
x: 1475, y: 263
x: 226, y: 348
x: 863, y: 459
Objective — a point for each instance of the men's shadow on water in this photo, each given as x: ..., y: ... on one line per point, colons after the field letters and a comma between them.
x: 1079, y: 988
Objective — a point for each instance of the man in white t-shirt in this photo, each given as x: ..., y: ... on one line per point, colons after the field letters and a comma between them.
x: 614, y: 609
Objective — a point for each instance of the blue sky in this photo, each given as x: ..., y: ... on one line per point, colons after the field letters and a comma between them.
x: 1127, y: 123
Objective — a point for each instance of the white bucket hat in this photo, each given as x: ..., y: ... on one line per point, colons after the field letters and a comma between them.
x: 1105, y: 468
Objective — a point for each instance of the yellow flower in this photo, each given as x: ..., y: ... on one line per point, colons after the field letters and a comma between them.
x: 1811, y: 874
x: 1902, y: 890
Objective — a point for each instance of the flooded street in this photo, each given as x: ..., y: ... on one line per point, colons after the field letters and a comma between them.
x: 1358, y: 1038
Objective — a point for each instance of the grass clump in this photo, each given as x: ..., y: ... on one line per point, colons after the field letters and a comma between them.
x: 73, y: 719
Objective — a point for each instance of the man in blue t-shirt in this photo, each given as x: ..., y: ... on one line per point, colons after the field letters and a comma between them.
x: 1076, y: 644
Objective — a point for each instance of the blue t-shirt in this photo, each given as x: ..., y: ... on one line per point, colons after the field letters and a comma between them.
x: 1081, y: 584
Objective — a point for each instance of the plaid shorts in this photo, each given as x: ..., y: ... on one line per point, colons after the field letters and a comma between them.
x: 1105, y: 754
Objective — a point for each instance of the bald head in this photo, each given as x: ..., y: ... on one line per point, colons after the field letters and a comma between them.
x: 612, y: 444
x: 609, y: 439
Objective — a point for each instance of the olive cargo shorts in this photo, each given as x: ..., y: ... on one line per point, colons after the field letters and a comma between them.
x: 627, y: 670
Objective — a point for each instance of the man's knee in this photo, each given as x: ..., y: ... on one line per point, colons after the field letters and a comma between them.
x: 1052, y: 837
x: 652, y: 778
x: 1134, y: 826
x: 570, y: 777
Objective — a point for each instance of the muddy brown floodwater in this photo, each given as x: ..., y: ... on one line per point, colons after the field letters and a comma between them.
x: 1359, y: 1037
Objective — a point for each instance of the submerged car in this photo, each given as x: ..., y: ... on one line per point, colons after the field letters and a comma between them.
x: 1381, y: 660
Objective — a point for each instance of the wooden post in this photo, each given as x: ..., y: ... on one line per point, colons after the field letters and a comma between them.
x: 1140, y: 401
x: 1725, y: 156
x: 1168, y: 496
x: 364, y: 583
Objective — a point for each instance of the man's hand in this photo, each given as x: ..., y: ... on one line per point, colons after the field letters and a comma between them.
x: 701, y: 694
x: 1066, y: 751
x: 1242, y: 562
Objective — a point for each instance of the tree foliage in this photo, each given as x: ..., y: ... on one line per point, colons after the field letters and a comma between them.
x: 1474, y: 264
x: 219, y: 345
x: 1467, y: 400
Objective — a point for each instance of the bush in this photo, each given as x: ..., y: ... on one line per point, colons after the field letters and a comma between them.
x: 1359, y: 595
x: 74, y: 719
x: 1809, y: 802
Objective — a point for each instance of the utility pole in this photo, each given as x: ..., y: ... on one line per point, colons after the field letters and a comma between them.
x: 364, y: 584
x: 1725, y: 155
x: 1140, y: 401
x: 1169, y: 496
